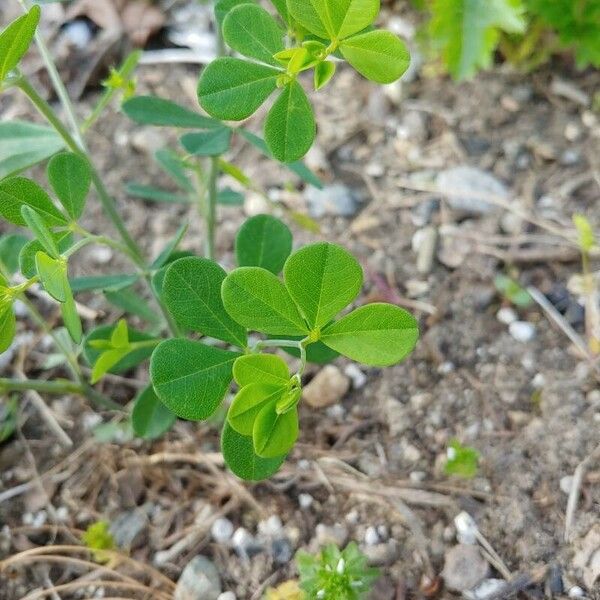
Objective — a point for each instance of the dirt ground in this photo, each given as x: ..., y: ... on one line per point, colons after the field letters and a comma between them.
x: 375, y: 459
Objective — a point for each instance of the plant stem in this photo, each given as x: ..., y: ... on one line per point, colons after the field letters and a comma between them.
x: 49, y: 387
x: 277, y: 344
x: 211, y: 208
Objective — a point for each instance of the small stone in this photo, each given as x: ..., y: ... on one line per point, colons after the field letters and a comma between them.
x: 358, y: 378
x: 129, y: 528
x: 522, y: 331
x: 380, y: 555
x: 417, y: 476
x: 488, y: 588
x: 576, y: 592
x: 352, y: 517
x: 271, y: 527
x: 147, y: 140
x: 518, y: 418
x: 554, y: 581
x: 464, y: 568
x: 424, y: 245
x: 255, y: 204
x: 331, y: 534
x: 421, y: 401
x: 371, y: 536
x: 466, y: 529
x: 587, y: 557
x: 570, y: 158
x: 101, y: 255
x: 327, y: 387
x: 539, y: 381
x: 78, y: 32
x: 199, y: 581
x: 281, y: 551
x: 333, y: 200
x: 375, y: 170
x: 473, y: 185
x: 446, y: 367
x: 506, y: 315
x: 227, y: 596
x: 396, y: 416
x: 222, y: 530
x: 305, y: 501
x: 243, y: 541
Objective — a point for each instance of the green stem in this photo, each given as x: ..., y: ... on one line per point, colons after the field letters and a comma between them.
x: 277, y: 344
x: 211, y: 208
x: 49, y: 387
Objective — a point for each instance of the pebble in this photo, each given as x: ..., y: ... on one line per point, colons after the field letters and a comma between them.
x: 570, y: 158
x: 486, y: 589
x: 222, y: 530
x: 334, y: 200
x: 421, y: 401
x: 538, y: 381
x: 243, y: 541
x: 199, y: 581
x: 380, y: 555
x: 129, y: 528
x: 396, y: 416
x: 331, y: 534
x: 466, y: 528
x: 426, y: 243
x: 464, y: 568
x: 305, y: 501
x: 566, y: 483
x: 282, y: 551
x: 506, y: 315
x: 417, y: 476
x: 101, y: 255
x: 327, y: 387
x: 78, y: 32
x: 358, y: 378
x: 147, y: 141
x: 476, y: 185
x: 522, y: 331
x: 446, y: 367
x: 227, y: 596
x: 271, y: 527
x: 371, y: 536
x: 576, y: 592
x: 352, y: 517
x: 255, y: 204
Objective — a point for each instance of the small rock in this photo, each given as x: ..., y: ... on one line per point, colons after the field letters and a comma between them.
x: 538, y: 381
x: 554, y: 581
x: 446, y: 367
x: 78, y: 32
x: 199, y: 581
x: 570, y: 158
x: 147, y: 140
x: 518, y: 418
x: 371, y: 536
x: 566, y: 483
x: 244, y: 542
x: 375, y: 169
x: 101, y: 255
x: 129, y: 528
x: 417, y: 476
x: 222, y: 530
x: 383, y: 589
x: 486, y: 589
x: 271, y: 527
x: 352, y: 517
x: 396, y: 416
x: 305, y: 501
x: 255, y: 204
x: 333, y: 200
x: 466, y: 528
x: 358, y: 378
x: 327, y: 387
x: 331, y: 534
x: 576, y: 592
x: 474, y: 185
x: 282, y: 551
x: 380, y: 555
x: 424, y: 245
x: 227, y: 596
x: 587, y: 557
x: 421, y: 401
x: 464, y: 568
x: 522, y: 331
x: 506, y: 315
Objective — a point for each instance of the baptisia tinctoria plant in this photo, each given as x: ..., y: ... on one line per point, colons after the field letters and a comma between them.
x: 300, y: 302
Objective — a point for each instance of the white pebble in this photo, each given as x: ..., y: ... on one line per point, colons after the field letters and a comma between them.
x: 466, y: 529
x: 566, y: 483
x: 242, y: 538
x: 371, y: 536
x: 226, y: 596
x: 522, y: 331
x: 539, y: 381
x: 222, y: 530
x: 446, y: 367
x: 352, y: 517
x: 358, y: 378
x: 305, y: 501
x: 271, y: 527
x: 576, y: 592
x: 506, y: 315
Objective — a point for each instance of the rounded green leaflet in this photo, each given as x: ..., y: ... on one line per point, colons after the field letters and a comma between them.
x: 8, y: 326
x: 71, y: 318
x: 190, y: 377
x: 150, y: 418
x: 207, y: 143
x: 274, y: 434
x: 10, y: 248
x: 324, y: 71
x: 377, y: 334
x: 15, y: 40
x: 17, y: 192
x: 377, y: 55
x: 250, y: 30
x: 261, y: 368
x: 222, y: 8
x: 258, y: 300
x: 64, y: 241
x: 70, y: 178
x: 53, y: 275
x: 263, y: 241
x: 248, y: 403
x: 322, y: 279
x: 192, y: 292
x: 238, y: 452
x: 232, y: 89
x: 290, y: 124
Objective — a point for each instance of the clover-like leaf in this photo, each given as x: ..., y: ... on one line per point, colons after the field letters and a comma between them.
x: 8, y: 325
x: 322, y: 279
x: 232, y: 89
x: 10, y: 248
x: 150, y: 418
x: 290, y: 125
x: 324, y: 71
x: 53, y: 275
x: 16, y: 39
x: 151, y: 110
x: 268, y: 369
x: 172, y: 164
x: 207, y: 143
x: 250, y: 30
x: 190, y: 377
x: 238, y: 452
x: 274, y: 433
x: 70, y: 177
x: 192, y: 293
x: 377, y: 55
x: 17, y: 192
x: 256, y: 299
x: 377, y: 334
x: 36, y: 224
x: 248, y: 403
x: 263, y: 241
x: 71, y: 318
x: 63, y: 241
x: 222, y: 8
x: 106, y: 361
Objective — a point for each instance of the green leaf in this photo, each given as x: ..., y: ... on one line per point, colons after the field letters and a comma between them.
x: 53, y: 275
x: 513, y: 291
x: 64, y: 241
x: 268, y: 369
x: 154, y: 194
x: 131, y: 302
x: 25, y: 144
x: 222, y: 8
x: 290, y: 124
x: 16, y: 39
x: 36, y: 224
x: 317, y: 352
x: 70, y: 178
x: 377, y: 334
x: 104, y: 333
x: 322, y: 279
x: 71, y: 318
x: 120, y: 335
x: 168, y: 250
x: 17, y: 192
x: 256, y: 299
x: 462, y: 460
x: 8, y: 326
x: 232, y: 89
x: 229, y: 197
x: 297, y: 167
x: 324, y: 71
x: 467, y: 31
x: 174, y: 166
x: 238, y: 452
x: 275, y: 434
x: 585, y: 233
x: 150, y: 418
x: 282, y: 9
x: 250, y: 30
x: 263, y: 241
x: 207, y: 143
x: 190, y: 377
x: 377, y: 55
x: 248, y: 403
x: 10, y: 247
x: 106, y: 361
x: 102, y: 282
x: 334, y: 19
x: 192, y: 293
x: 150, y: 110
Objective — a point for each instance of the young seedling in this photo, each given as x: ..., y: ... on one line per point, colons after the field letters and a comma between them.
x: 462, y: 461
